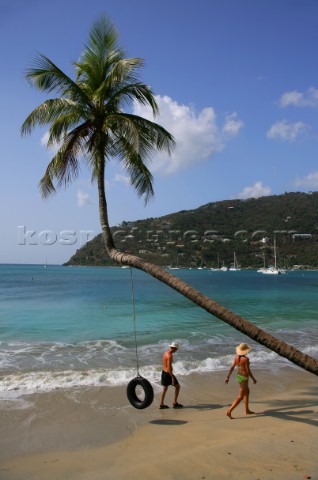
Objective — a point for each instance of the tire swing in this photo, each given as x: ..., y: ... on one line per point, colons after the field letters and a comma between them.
x: 137, y: 400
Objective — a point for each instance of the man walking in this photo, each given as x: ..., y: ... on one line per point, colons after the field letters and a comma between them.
x: 168, y: 378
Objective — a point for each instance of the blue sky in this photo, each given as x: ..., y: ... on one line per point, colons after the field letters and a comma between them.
x: 237, y: 85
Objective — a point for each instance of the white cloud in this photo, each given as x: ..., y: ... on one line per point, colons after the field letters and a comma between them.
x: 282, y: 130
x: 232, y: 125
x: 122, y: 179
x: 82, y: 199
x: 310, y: 181
x: 197, y: 135
x: 299, y: 99
x: 256, y: 190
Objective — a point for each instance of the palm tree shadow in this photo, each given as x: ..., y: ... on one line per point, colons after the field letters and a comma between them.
x: 302, y: 411
x: 294, y: 416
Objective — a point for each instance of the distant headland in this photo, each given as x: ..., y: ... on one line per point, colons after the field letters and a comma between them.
x: 214, y: 234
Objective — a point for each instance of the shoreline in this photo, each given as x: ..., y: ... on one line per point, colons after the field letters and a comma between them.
x: 95, y: 434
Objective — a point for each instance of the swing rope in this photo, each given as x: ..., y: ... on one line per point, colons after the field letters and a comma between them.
x: 134, y: 318
x: 138, y: 381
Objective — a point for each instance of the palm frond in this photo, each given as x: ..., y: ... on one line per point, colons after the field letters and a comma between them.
x: 46, y: 113
x: 151, y: 136
x: 65, y: 165
x: 103, y: 36
x: 88, y: 120
x: 124, y: 70
x: 47, y: 77
x: 99, y: 55
x: 140, y: 177
x: 142, y: 94
x: 46, y: 185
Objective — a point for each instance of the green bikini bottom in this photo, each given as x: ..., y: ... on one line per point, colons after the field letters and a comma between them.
x: 241, y: 378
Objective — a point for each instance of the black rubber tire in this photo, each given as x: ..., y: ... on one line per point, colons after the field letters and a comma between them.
x: 132, y: 396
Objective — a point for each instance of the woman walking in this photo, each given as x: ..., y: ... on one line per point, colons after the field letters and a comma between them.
x: 243, y: 373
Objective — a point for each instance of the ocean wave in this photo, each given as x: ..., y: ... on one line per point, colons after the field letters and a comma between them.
x: 38, y: 367
x: 24, y: 383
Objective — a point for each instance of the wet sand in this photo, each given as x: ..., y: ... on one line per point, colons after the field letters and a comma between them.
x: 95, y: 434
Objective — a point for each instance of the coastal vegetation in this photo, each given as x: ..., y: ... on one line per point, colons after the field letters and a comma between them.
x: 207, y: 236
x: 88, y: 123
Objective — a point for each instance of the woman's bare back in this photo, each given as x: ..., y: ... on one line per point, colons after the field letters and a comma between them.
x: 242, y: 365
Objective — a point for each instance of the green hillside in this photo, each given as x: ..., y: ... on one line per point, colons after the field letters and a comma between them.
x: 209, y: 235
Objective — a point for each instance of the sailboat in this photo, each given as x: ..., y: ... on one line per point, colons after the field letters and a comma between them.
x: 175, y: 267
x: 223, y: 268
x: 201, y: 267
x: 234, y: 267
x: 273, y: 270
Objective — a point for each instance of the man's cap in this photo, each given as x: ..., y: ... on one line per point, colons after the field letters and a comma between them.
x: 174, y: 345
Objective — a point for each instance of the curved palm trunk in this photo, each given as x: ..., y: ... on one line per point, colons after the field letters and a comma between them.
x: 239, y: 323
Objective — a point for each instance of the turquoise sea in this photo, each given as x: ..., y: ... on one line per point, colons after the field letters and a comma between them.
x: 63, y: 327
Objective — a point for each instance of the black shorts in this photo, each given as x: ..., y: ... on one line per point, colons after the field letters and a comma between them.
x: 166, y: 379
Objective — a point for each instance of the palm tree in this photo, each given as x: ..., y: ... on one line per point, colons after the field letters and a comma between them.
x: 88, y: 122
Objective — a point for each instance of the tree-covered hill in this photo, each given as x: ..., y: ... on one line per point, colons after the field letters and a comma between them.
x: 209, y: 235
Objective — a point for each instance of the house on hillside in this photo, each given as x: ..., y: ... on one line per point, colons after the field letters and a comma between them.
x: 302, y: 236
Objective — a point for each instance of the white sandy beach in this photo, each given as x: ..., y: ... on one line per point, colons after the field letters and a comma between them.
x: 96, y: 434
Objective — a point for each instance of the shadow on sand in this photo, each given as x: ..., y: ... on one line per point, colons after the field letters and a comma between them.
x: 168, y: 421
x: 303, y: 411
x: 172, y: 421
x: 206, y: 406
